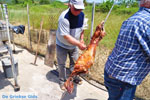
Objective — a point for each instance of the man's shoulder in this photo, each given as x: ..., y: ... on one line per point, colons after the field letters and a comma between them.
x: 82, y: 14
x: 140, y: 16
x: 63, y: 14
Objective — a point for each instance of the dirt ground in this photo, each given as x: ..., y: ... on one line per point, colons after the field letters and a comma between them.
x: 38, y: 83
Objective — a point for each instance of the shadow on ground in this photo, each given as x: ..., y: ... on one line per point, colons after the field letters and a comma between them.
x: 17, y: 51
x: 3, y: 81
x: 53, y: 77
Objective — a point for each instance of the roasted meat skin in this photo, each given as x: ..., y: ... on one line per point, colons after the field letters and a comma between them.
x: 85, y: 60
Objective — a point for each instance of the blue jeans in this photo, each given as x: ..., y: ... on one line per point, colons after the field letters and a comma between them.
x: 118, y: 90
x: 62, y: 54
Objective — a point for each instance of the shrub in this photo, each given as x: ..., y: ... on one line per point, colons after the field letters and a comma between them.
x: 126, y: 10
x: 134, y: 4
x: 44, y: 2
x: 57, y: 4
x: 105, y: 6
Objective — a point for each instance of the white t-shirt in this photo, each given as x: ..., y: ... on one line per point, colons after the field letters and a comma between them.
x: 69, y: 24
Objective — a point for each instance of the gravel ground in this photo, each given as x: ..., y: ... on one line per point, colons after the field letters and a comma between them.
x: 38, y: 83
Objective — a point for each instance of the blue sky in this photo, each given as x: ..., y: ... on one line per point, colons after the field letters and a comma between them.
x: 90, y: 1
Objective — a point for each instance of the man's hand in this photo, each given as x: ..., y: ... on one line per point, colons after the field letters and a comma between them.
x: 75, y: 42
x: 82, y: 46
x: 82, y: 41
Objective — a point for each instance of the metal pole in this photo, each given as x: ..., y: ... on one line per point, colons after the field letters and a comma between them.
x: 16, y: 86
x: 92, y: 20
x: 29, y: 34
x: 109, y: 12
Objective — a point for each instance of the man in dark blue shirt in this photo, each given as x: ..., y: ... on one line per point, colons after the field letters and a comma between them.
x: 129, y: 62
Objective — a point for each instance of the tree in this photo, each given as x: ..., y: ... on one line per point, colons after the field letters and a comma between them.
x: 52, y: 1
x: 15, y: 1
x: 44, y: 2
x: 27, y: 2
x: 32, y: 1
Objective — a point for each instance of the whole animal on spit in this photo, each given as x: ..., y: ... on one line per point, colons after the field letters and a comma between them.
x: 86, y: 60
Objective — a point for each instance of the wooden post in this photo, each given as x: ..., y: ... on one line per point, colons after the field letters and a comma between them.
x: 29, y: 34
x: 2, y: 13
x: 41, y: 25
x: 51, y: 48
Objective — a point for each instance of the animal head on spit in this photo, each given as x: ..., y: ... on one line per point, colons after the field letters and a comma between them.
x: 99, y: 32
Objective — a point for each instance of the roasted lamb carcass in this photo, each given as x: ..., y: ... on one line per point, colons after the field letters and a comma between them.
x: 86, y: 60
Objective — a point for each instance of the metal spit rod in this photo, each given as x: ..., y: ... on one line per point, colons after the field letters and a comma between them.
x: 109, y: 12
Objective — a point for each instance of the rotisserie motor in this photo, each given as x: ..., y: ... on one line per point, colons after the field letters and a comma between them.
x: 86, y: 60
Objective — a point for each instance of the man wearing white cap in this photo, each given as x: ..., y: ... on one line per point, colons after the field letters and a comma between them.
x: 69, y: 36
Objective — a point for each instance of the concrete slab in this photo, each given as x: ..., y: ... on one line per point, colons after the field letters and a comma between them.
x: 38, y: 83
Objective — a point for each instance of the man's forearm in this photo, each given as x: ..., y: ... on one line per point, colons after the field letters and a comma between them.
x: 72, y: 40
x: 75, y: 42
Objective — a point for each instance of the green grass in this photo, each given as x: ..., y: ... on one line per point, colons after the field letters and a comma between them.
x: 50, y: 14
x: 112, y: 26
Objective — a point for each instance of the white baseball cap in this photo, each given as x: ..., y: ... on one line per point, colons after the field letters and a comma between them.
x: 78, y: 4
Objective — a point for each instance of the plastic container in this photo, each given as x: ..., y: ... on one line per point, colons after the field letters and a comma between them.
x: 6, y: 63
